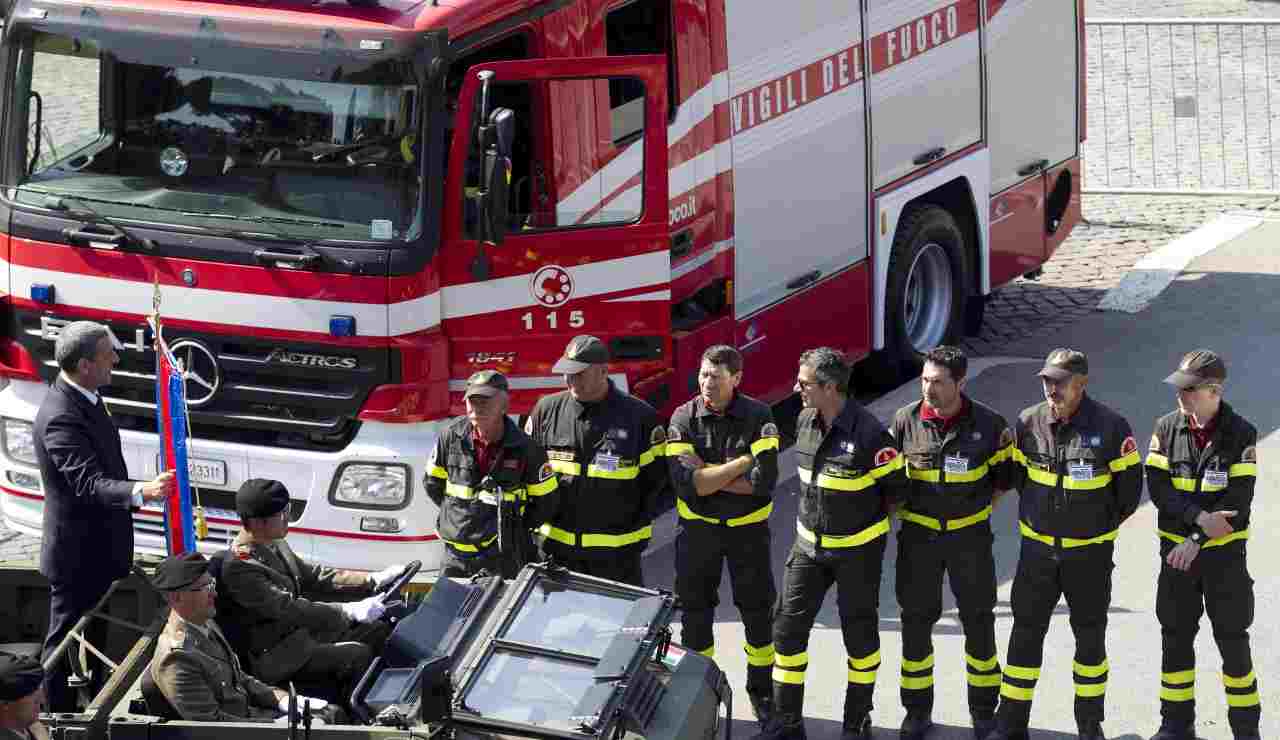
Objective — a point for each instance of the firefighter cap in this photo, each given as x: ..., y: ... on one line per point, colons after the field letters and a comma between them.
x: 582, y: 352
x: 1198, y: 367
x: 261, y: 497
x: 1062, y: 363
x: 486, y: 383
x: 176, y: 572
x: 20, y: 676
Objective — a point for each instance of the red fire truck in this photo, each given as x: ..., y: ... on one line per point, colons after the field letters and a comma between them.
x: 352, y: 205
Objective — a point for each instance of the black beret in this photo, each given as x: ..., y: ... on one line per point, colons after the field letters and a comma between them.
x: 260, y: 497
x: 19, y: 676
x: 176, y: 572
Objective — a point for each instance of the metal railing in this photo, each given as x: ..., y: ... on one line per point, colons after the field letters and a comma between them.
x: 1182, y: 106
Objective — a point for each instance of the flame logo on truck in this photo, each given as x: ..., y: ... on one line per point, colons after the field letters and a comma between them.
x: 552, y: 286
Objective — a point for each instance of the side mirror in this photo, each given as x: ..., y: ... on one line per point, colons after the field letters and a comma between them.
x: 495, y: 176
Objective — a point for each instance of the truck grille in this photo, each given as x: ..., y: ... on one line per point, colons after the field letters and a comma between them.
x: 250, y: 390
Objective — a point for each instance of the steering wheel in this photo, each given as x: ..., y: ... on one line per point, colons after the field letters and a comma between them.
x: 402, y: 580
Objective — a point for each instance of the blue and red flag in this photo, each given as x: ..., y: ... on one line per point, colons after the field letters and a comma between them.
x: 171, y: 422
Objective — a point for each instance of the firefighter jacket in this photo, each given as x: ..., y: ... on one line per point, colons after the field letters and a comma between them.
x: 952, y: 475
x: 468, y: 519
x: 745, y: 427
x: 1078, y: 480
x: 849, y: 472
x: 608, y: 455
x: 1184, y: 481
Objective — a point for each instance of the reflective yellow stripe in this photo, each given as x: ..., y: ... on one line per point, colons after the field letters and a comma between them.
x: 653, y: 453
x: 1183, y: 484
x: 1243, y: 469
x: 1243, y: 682
x: 617, y: 540
x: 759, y: 656
x: 865, y: 678
x: 628, y: 472
x: 557, y: 534
x: 709, y: 652
x: 1091, y: 689
x: 782, y: 675
x: 438, y: 472
x: 1009, y: 691
x: 851, y: 540
x: 929, y: 475
x: 1090, y: 671
x: 917, y: 665
x: 764, y: 444
x: 791, y: 661
x: 969, y: 476
x: 1121, y: 464
x: 565, y: 467
x: 1004, y: 453
x: 457, y: 490
x: 952, y: 524
x: 1179, y: 677
x: 984, y: 681
x: 1022, y: 673
x: 1243, y: 700
x: 881, y: 471
x: 909, y: 683
x: 1046, y: 478
x: 982, y: 665
x: 464, y: 547
x: 1067, y: 541
x: 1187, y: 694
x: 543, y: 488
x: 1157, y: 460
x: 866, y: 663
x: 759, y: 515
x: 678, y: 448
x: 1216, y: 542
x: 832, y: 483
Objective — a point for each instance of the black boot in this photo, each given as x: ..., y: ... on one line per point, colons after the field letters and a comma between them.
x: 783, y: 727
x: 1001, y: 733
x: 915, y: 725
x: 983, y: 727
x: 761, y: 706
x: 1170, y: 730
x: 857, y: 729
x: 1092, y: 731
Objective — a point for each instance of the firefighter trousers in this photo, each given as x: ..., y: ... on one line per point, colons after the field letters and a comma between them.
x: 965, y: 556
x: 701, y: 552
x: 1046, y: 573
x: 855, y: 571
x: 1218, y: 583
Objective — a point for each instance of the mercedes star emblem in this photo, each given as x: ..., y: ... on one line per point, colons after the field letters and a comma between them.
x: 199, y: 370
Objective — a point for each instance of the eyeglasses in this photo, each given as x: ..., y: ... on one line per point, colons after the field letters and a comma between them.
x: 805, y: 385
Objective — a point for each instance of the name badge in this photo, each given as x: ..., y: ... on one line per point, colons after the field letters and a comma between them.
x: 955, y: 464
x: 607, y: 463
x: 1081, y: 471
x: 1215, y: 478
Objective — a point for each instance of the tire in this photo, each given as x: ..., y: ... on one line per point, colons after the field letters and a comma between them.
x: 925, y: 293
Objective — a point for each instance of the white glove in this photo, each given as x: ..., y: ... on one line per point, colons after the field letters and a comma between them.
x: 365, y: 610
x: 316, y: 705
x: 386, y: 576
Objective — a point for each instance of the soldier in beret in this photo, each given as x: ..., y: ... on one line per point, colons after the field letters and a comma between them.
x: 21, y: 694
x: 268, y: 607
x: 194, y: 665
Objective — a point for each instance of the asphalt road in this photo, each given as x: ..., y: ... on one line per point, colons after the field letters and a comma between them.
x: 1228, y: 300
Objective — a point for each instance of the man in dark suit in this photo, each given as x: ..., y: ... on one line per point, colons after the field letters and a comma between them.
x: 88, y: 529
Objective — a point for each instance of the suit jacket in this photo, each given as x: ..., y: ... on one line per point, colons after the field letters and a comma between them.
x: 87, y: 528
x: 202, y: 678
x: 265, y: 602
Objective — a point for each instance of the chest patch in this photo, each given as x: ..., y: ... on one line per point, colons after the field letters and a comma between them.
x: 1080, y: 471
x: 955, y: 464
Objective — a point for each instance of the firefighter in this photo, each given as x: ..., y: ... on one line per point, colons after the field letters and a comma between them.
x: 1079, y: 478
x: 607, y: 447
x: 957, y: 454
x: 849, y: 469
x: 483, y: 470
x: 1201, y: 470
x: 722, y: 451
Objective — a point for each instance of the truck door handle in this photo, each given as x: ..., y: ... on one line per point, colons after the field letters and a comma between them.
x: 293, y: 258
x: 682, y: 244
x: 809, y: 278
x: 933, y: 155
x: 1033, y: 168
x: 84, y: 235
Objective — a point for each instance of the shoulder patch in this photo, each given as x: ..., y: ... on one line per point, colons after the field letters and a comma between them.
x: 657, y: 436
x: 1127, y: 446
x: 545, y: 472
x: 1155, y: 443
x: 673, y: 434
x: 769, y: 430
x: 1250, y: 454
x: 1006, y: 438
x: 885, y: 455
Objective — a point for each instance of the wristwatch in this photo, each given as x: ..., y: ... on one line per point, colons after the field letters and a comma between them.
x: 1197, y: 537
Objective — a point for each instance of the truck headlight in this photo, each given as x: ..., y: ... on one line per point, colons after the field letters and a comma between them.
x: 371, y: 486
x: 20, y: 441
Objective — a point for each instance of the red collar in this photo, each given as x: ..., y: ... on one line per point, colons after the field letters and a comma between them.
x: 928, y: 413
x: 1203, y: 434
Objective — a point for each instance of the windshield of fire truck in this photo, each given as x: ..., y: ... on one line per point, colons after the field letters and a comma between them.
x: 167, y: 132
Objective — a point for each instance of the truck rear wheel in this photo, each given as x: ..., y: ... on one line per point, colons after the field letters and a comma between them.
x: 925, y: 293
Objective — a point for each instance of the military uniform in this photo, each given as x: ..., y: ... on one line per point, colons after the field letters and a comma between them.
x: 726, y: 526
x: 1078, y: 480
x: 849, y: 471
x: 953, y: 469
x: 608, y: 455
x: 200, y: 675
x: 468, y: 521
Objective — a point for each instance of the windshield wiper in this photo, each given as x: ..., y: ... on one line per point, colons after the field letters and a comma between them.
x: 54, y: 202
x: 307, y: 256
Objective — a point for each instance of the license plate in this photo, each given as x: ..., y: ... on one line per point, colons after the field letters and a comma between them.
x: 204, y: 472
